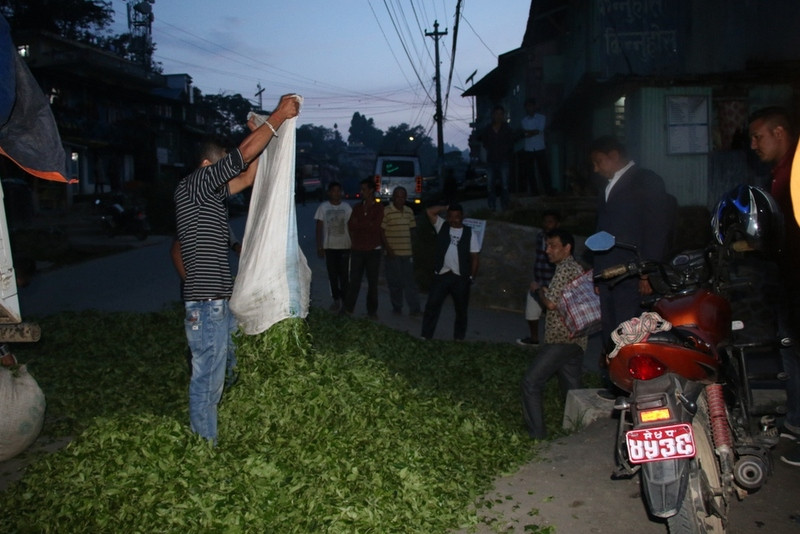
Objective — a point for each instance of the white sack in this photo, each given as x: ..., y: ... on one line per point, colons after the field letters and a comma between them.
x: 22, y: 407
x: 274, y: 279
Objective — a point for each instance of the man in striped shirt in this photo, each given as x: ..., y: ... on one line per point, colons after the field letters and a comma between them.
x: 202, y: 221
x: 398, y: 223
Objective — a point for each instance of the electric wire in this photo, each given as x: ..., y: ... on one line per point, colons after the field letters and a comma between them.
x: 421, y: 29
x: 338, y: 103
x: 415, y: 43
x: 405, y: 49
x: 386, y: 38
x: 452, y: 57
x: 471, y: 27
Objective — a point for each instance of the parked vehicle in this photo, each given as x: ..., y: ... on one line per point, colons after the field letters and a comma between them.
x: 351, y: 188
x: 692, y: 424
x: 314, y: 189
x: 121, y: 216
x: 398, y: 170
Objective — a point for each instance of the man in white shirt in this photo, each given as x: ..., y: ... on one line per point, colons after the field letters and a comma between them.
x: 534, y: 156
x: 333, y: 241
x: 455, y: 267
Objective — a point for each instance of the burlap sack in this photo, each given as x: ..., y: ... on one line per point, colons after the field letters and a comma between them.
x: 22, y: 407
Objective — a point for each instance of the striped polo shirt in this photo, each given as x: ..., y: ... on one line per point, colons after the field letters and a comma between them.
x: 202, y: 220
x: 397, y: 225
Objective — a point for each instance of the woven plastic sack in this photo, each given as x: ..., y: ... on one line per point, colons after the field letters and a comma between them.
x: 274, y: 281
x: 22, y: 407
x: 579, y: 306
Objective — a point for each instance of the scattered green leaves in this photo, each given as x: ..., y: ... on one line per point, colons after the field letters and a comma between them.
x: 369, y: 430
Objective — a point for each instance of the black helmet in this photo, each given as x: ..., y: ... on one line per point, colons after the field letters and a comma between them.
x: 748, y: 213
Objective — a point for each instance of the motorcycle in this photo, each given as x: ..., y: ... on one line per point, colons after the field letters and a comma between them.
x: 118, y: 219
x: 691, y: 425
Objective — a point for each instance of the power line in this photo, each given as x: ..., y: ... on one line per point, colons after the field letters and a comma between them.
x: 405, y: 49
x: 452, y: 57
x: 414, y: 42
x: 465, y: 19
x: 330, y: 100
x: 386, y: 38
x: 420, y: 27
x: 254, y: 63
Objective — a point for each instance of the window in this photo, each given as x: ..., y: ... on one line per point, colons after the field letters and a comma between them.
x: 398, y: 168
x: 687, y: 123
x: 619, y: 119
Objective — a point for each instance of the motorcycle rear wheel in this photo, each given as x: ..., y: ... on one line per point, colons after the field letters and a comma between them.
x: 693, y: 517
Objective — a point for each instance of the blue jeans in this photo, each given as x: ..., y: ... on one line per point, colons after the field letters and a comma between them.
x: 564, y: 359
x: 209, y: 325
x: 498, y: 172
x: 400, y: 279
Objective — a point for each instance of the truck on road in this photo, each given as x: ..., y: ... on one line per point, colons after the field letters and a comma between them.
x: 398, y: 170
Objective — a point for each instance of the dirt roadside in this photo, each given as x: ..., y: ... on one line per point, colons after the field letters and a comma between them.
x: 570, y: 489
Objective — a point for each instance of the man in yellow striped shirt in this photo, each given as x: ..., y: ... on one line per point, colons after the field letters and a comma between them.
x: 398, y: 223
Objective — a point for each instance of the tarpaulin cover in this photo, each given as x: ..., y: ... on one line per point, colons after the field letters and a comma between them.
x: 28, y: 131
x: 274, y: 280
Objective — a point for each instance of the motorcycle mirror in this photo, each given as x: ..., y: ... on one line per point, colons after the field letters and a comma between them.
x: 600, y: 242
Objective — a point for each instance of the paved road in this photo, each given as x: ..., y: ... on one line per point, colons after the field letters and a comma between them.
x: 143, y: 280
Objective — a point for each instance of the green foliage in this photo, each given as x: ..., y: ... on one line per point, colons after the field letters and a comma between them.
x: 94, y: 364
x: 365, y: 430
x: 81, y: 20
x: 404, y: 139
x: 326, y: 143
x: 227, y: 115
x: 363, y: 130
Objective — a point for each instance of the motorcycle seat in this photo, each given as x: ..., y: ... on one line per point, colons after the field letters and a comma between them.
x: 669, y: 336
x: 678, y: 336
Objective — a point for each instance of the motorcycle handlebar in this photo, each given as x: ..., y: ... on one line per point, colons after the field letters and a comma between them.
x: 612, y: 272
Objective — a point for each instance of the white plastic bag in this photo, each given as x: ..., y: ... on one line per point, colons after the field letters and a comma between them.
x: 274, y: 280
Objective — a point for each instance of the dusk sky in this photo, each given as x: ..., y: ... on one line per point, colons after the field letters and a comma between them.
x: 342, y: 56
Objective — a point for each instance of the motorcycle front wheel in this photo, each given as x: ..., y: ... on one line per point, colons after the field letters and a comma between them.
x: 704, y: 491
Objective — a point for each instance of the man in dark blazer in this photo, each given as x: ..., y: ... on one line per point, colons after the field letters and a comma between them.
x: 636, y: 209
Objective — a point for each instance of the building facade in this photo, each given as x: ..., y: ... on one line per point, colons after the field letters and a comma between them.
x: 122, y: 126
x: 676, y: 80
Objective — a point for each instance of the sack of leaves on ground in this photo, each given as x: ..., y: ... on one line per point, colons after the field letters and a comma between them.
x: 368, y: 431
x: 22, y: 408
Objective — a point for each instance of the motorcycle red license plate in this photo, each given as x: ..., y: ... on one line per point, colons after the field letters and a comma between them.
x: 662, y: 443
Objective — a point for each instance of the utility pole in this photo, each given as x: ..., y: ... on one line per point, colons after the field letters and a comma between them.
x: 258, y: 94
x: 436, y: 34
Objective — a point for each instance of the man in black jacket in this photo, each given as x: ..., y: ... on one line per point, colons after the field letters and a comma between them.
x: 456, y: 265
x: 636, y: 209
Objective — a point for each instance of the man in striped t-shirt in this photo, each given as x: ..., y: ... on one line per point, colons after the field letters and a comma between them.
x: 202, y: 221
x: 398, y: 223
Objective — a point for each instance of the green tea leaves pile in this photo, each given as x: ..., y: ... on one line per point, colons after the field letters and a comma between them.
x: 356, y: 429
